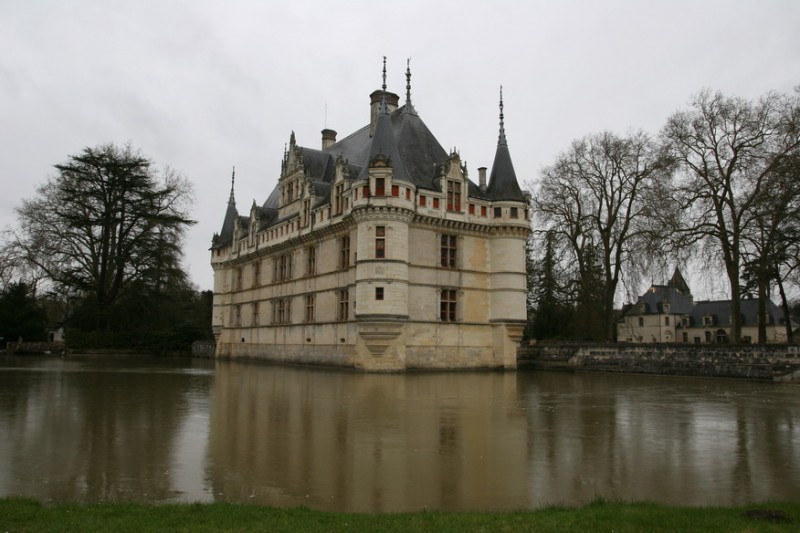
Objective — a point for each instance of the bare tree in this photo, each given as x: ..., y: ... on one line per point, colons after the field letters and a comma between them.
x: 728, y: 148
x: 105, y: 220
x: 596, y: 201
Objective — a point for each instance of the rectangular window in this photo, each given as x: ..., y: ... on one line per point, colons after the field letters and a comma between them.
x: 380, y: 186
x: 447, y: 305
x: 666, y: 321
x: 281, y: 311
x: 408, y: 194
x: 344, y: 252
x: 256, y: 318
x: 395, y: 190
x: 338, y: 197
x: 283, y: 267
x: 380, y: 242
x: 237, y: 279
x: 256, y: 273
x: 344, y: 305
x: 483, y: 210
x: 641, y: 322
x: 310, y: 301
x: 365, y: 191
x: 423, y: 201
x: 311, y: 260
x: 449, y: 248
x: 436, y: 203
x: 498, y: 212
x: 306, y: 211
x: 453, y: 195
x: 685, y: 337
x: 379, y: 293
x: 514, y: 212
x: 471, y: 209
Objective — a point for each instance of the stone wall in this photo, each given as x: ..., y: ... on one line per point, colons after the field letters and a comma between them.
x: 203, y: 348
x: 767, y: 362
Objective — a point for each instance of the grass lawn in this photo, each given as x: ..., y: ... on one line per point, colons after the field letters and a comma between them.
x: 18, y: 515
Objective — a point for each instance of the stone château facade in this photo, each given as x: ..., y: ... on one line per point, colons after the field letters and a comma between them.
x: 377, y: 252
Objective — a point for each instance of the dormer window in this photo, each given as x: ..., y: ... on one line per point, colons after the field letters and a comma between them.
x: 666, y: 308
x: 453, y: 195
x: 380, y: 186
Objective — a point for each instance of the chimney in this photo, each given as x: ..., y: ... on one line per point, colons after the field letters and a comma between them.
x: 392, y: 100
x: 328, y: 138
x: 482, y: 178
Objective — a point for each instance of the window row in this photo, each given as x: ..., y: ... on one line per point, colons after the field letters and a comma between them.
x: 283, y: 265
x: 282, y: 308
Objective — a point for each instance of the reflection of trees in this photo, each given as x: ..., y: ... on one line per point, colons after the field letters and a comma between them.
x: 346, y: 441
x: 659, y: 439
x: 92, y: 434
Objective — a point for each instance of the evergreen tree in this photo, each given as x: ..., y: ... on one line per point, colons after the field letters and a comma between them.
x: 21, y: 316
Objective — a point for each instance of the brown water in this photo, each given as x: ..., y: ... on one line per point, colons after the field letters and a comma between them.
x: 192, y: 430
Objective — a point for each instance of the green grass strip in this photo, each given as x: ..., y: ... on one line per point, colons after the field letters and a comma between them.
x: 25, y: 515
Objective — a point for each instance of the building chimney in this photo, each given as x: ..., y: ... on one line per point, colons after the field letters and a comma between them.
x: 328, y: 138
x: 392, y: 101
x: 482, y: 178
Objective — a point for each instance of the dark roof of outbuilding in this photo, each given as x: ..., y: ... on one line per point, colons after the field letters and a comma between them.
x: 658, y: 295
x: 720, y: 310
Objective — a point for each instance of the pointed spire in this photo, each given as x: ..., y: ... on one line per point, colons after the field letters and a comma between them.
x: 383, y: 141
x: 231, y: 214
x: 409, y: 106
x: 503, y: 183
x: 679, y: 282
x: 501, y: 141
x: 232, y: 199
x: 384, y: 106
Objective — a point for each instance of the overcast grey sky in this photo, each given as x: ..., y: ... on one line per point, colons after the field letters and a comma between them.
x: 202, y: 86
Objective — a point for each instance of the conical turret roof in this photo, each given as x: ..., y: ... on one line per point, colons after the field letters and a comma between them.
x: 503, y: 183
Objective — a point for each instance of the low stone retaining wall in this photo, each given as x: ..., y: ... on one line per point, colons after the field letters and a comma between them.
x: 203, y: 348
x: 35, y: 347
x: 764, y: 362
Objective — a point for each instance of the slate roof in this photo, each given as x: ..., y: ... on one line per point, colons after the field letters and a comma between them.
x: 658, y: 295
x: 720, y: 311
x: 408, y: 139
x: 503, y: 184
x: 415, y: 154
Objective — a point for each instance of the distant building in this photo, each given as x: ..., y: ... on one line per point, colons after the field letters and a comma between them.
x: 668, y: 313
x: 378, y: 252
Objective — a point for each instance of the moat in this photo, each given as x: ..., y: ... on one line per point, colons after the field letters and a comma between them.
x: 161, y: 430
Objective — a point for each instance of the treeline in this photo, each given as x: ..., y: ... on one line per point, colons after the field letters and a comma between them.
x: 720, y: 184
x: 98, y: 253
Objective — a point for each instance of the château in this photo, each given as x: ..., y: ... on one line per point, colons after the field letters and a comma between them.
x: 377, y: 251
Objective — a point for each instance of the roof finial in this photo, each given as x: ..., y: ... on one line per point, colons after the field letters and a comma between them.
x: 384, y: 75
x: 384, y: 108
x: 232, y: 200
x: 408, y: 81
x: 409, y: 107
x: 502, y: 139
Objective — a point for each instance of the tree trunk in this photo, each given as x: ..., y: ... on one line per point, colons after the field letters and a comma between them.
x: 785, y: 307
